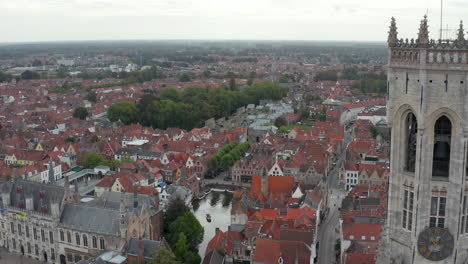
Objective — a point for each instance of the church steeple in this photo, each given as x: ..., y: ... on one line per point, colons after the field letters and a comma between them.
x: 392, y: 34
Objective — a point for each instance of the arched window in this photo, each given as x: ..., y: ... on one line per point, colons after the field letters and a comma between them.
x: 61, y: 235
x: 101, y: 243
x: 411, y: 129
x: 85, y: 240
x: 442, y: 138
x: 94, y: 242
x: 77, y: 237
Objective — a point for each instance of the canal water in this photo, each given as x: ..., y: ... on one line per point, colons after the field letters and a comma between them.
x: 218, y: 205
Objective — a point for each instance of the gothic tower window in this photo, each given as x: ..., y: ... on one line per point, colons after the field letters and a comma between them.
x: 437, y: 218
x: 442, y: 137
x: 408, y: 205
x: 411, y: 129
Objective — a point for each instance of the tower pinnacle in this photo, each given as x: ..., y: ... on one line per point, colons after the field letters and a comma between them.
x: 423, y: 35
x: 392, y: 34
x: 461, y: 34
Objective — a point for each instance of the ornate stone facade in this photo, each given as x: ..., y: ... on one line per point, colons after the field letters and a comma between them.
x: 48, y: 223
x: 428, y: 113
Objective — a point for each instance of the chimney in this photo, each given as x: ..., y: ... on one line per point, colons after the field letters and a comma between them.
x: 217, y: 230
x: 141, y: 250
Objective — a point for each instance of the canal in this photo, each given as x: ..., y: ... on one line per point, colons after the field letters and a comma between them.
x: 218, y: 205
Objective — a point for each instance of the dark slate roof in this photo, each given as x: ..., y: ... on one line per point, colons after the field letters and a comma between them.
x: 111, y: 200
x: 297, y: 235
x: 214, y: 257
x: 20, y: 189
x: 149, y: 247
x: 90, y: 219
x: 237, y: 228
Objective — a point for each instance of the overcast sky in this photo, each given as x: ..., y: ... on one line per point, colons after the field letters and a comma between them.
x: 359, y: 20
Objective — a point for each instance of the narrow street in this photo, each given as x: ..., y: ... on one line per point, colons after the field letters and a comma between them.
x: 329, y: 229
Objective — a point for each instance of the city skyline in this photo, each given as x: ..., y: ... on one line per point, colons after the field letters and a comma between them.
x: 337, y: 20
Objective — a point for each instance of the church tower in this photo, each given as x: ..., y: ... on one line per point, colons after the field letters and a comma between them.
x: 428, y: 114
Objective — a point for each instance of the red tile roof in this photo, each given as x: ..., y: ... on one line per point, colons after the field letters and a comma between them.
x: 362, y: 232
x: 360, y: 258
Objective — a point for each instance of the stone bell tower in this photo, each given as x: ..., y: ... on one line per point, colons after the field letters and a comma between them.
x: 428, y: 113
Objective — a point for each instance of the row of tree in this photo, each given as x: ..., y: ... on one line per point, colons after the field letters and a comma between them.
x: 192, y: 107
x: 228, y: 155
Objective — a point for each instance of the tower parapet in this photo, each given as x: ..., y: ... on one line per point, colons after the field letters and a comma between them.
x: 424, y: 50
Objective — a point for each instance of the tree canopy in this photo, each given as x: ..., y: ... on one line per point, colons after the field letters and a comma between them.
x: 192, y: 107
x: 124, y: 111
x: 92, y: 96
x: 280, y: 121
x: 326, y: 76
x: 80, y: 113
x: 5, y: 77
x: 29, y: 75
x: 190, y: 227
x: 92, y: 160
x: 164, y: 256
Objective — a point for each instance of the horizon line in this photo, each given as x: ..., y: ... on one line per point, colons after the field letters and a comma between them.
x: 196, y: 40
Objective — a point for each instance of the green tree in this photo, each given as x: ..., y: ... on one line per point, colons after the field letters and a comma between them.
x: 62, y: 72
x: 326, y: 76
x: 176, y: 208
x: 280, y: 121
x: 192, y: 257
x: 185, y: 77
x: 374, y: 132
x: 92, y: 96
x: 350, y: 73
x: 304, y: 111
x: 181, y: 247
x: 207, y: 74
x: 171, y: 93
x: 114, y: 164
x: 124, y: 111
x: 30, y: 75
x: 70, y: 140
x: 92, y: 160
x: 232, y: 84
x: 164, y: 256
x: 94, y: 139
x: 227, y: 161
x: 5, y: 77
x: 190, y: 227
x: 80, y: 113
